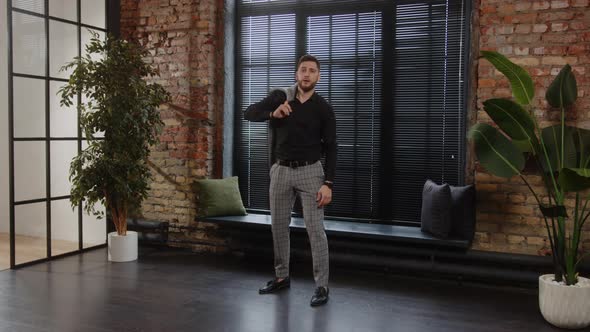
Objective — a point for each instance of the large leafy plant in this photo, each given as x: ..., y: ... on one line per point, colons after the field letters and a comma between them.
x: 560, y: 152
x: 121, y: 104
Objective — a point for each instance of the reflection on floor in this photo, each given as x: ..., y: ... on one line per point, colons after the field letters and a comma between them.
x: 30, y: 248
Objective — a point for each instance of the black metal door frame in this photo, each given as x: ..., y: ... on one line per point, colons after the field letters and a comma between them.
x: 112, y: 26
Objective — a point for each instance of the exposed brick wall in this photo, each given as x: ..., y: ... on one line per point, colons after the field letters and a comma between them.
x: 185, y: 38
x: 542, y: 36
x: 185, y: 41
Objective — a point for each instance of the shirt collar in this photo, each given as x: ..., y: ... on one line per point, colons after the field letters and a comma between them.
x: 313, y: 97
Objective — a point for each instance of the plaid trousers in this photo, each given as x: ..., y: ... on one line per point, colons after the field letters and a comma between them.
x: 285, y: 183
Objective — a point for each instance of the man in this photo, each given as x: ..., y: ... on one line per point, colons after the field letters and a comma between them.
x: 303, y: 127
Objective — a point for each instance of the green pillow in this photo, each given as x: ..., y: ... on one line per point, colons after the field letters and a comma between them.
x: 219, y: 197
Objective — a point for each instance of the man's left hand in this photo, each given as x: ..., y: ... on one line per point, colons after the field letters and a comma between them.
x: 324, y: 196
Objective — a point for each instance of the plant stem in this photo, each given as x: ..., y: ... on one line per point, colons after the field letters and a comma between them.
x: 546, y: 155
x: 562, y: 137
x: 530, y: 188
x: 553, y: 256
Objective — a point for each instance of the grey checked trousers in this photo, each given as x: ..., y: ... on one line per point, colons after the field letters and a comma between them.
x: 285, y: 183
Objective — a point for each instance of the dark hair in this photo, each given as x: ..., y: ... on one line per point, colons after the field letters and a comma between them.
x: 307, y: 57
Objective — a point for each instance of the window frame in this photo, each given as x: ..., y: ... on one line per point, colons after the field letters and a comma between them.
x: 387, y: 9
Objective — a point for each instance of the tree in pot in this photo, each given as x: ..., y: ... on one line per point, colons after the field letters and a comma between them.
x: 124, y: 106
x: 561, y: 154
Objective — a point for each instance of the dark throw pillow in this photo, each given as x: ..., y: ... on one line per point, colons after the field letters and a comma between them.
x: 436, y: 209
x: 219, y: 197
x: 463, y: 212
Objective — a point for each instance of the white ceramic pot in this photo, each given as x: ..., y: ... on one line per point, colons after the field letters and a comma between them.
x: 565, y: 306
x: 122, y: 248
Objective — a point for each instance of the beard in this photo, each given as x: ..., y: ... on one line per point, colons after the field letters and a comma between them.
x: 308, y: 88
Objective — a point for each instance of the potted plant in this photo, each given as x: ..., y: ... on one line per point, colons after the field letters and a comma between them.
x: 561, y: 154
x: 112, y: 170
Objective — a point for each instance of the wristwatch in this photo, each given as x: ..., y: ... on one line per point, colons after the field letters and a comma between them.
x: 329, y: 184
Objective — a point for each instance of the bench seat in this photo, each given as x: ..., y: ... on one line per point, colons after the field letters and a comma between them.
x: 394, y: 233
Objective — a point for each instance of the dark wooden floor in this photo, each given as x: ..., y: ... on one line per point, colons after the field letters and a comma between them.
x: 180, y: 291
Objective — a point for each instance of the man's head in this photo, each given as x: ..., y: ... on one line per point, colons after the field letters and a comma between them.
x: 308, y: 72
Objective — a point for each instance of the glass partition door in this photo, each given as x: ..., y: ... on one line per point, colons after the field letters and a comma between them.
x: 43, y: 136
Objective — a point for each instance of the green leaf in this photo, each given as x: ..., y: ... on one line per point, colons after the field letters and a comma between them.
x: 582, y: 142
x: 514, y: 120
x: 553, y: 211
x: 552, y: 141
x: 520, y: 81
x: 574, y: 179
x: 525, y: 146
x: 495, y: 152
x: 563, y: 91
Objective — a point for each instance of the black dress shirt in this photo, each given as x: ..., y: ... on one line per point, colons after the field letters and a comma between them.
x: 307, y: 133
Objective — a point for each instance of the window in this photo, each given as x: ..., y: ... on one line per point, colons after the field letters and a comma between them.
x: 394, y: 73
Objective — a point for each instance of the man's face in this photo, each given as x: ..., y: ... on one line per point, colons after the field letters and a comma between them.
x: 307, y: 75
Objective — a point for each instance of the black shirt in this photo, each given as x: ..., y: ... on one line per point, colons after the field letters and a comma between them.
x: 305, y: 134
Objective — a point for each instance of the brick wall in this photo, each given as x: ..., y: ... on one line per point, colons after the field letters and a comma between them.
x: 185, y: 41
x: 185, y: 38
x: 542, y: 36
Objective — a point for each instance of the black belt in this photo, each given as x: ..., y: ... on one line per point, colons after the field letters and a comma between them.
x: 296, y: 163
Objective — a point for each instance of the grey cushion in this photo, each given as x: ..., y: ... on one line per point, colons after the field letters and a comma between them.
x: 463, y: 212
x: 436, y: 209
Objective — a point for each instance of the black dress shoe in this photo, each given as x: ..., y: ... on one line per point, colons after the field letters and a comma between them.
x: 320, y: 296
x: 274, y: 286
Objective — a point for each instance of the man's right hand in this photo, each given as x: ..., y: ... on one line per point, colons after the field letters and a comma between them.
x: 282, y: 111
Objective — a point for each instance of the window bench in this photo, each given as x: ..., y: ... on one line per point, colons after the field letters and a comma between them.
x: 394, y: 233
x: 391, y: 248
x: 395, y: 248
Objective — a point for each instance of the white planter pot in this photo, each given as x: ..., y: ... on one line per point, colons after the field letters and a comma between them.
x: 565, y: 306
x: 122, y: 248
